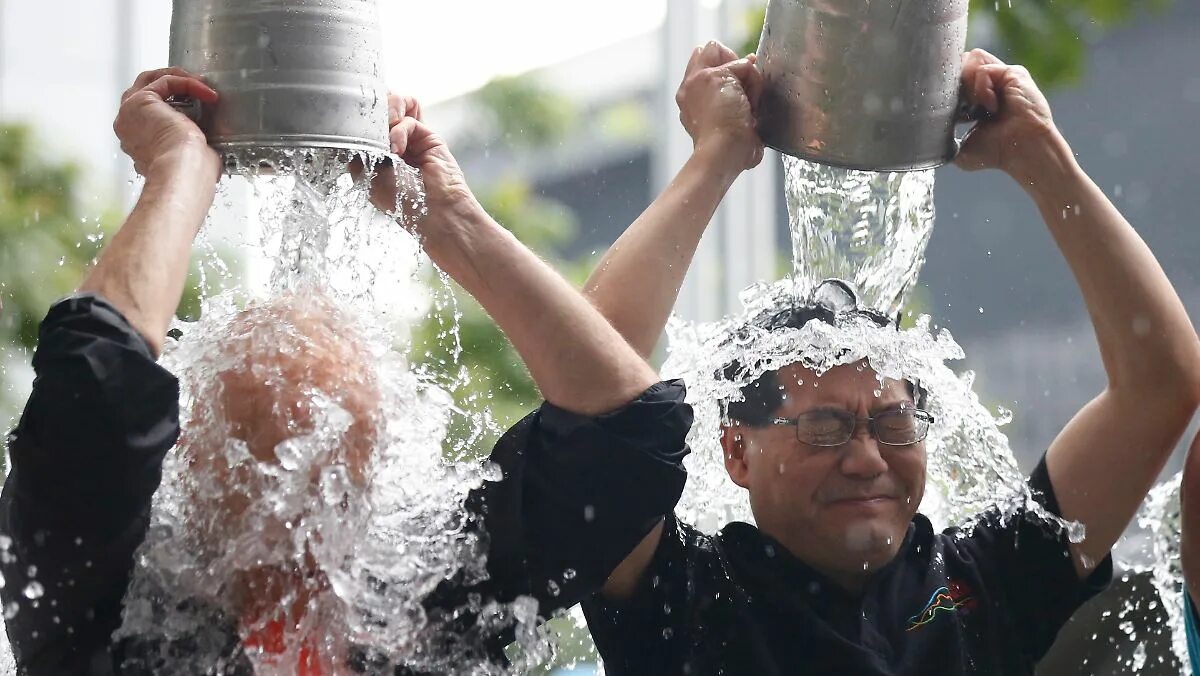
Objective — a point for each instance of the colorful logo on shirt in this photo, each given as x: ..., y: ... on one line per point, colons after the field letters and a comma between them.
x: 946, y: 599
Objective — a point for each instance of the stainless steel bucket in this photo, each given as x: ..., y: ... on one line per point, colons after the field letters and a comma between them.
x: 863, y: 84
x: 291, y: 73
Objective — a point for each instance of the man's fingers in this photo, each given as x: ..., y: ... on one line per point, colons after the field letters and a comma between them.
x: 714, y: 54
x: 709, y: 55
x: 412, y: 108
x: 979, y: 57
x: 750, y: 76
x: 400, y: 107
x: 402, y: 134
x: 179, y: 85
x: 149, y: 76
x: 420, y: 141
x: 695, y: 63
x: 724, y: 53
x: 395, y: 109
x: 982, y: 84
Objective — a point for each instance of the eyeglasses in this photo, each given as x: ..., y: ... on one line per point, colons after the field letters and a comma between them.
x: 834, y: 427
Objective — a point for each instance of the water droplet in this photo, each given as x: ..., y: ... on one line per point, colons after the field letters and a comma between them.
x: 33, y: 590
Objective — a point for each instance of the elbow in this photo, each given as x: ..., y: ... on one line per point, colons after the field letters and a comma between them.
x: 1170, y: 383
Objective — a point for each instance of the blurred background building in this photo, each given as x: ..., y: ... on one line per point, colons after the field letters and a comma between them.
x: 565, y: 122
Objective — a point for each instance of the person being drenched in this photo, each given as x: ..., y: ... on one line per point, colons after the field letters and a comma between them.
x: 840, y: 574
x: 287, y: 418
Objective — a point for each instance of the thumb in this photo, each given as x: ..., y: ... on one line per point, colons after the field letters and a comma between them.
x: 978, y: 148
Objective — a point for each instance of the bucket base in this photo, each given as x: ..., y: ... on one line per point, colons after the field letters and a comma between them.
x: 916, y: 165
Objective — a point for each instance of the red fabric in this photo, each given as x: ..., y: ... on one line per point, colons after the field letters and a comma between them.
x: 270, y: 640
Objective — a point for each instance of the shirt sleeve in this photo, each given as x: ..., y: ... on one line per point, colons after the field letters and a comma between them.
x: 1028, y: 567
x: 676, y: 597
x: 85, y: 461
x: 578, y: 494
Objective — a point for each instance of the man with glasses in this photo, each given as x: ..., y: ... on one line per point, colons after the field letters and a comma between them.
x: 840, y: 574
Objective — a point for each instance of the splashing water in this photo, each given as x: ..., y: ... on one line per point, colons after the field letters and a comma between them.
x: 1162, y: 517
x: 971, y: 466
x: 867, y: 228
x: 308, y: 507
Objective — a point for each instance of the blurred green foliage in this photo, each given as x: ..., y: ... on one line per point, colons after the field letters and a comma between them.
x: 496, y: 378
x: 1049, y: 37
x: 48, y: 238
x: 525, y: 113
x: 45, y: 243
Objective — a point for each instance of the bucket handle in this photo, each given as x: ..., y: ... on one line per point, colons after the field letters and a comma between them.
x: 186, y: 105
x: 969, y: 113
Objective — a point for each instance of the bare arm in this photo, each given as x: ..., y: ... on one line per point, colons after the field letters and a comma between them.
x: 143, y: 270
x: 1106, y: 459
x: 577, y: 359
x: 651, y: 258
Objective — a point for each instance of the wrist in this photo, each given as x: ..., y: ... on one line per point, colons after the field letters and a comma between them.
x: 450, y: 232
x: 190, y: 161
x: 1045, y: 167
x: 720, y: 156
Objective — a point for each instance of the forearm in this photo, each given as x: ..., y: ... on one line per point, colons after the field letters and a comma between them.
x: 143, y: 270
x: 577, y: 359
x: 650, y: 260
x: 1149, y: 347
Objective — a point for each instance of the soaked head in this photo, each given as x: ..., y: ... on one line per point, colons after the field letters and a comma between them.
x: 287, y: 417
x: 835, y: 464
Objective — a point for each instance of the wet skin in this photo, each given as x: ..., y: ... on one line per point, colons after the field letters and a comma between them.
x: 843, y: 510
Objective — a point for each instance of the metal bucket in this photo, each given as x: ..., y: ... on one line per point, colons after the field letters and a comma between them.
x: 863, y: 84
x: 291, y: 73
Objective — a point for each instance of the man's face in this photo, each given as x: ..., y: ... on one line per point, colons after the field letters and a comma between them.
x: 844, y: 510
x: 285, y: 363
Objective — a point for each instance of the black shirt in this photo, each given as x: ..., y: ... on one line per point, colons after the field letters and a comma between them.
x: 86, y: 460
x: 989, y: 601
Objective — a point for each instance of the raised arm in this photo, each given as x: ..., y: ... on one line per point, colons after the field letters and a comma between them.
x: 1106, y: 459
x: 586, y: 479
x: 651, y: 258
x: 85, y: 458
x: 577, y: 359
x: 143, y: 270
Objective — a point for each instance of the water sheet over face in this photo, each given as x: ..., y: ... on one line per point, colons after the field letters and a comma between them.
x: 971, y: 466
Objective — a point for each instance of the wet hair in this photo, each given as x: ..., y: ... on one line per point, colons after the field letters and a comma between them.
x: 762, y: 398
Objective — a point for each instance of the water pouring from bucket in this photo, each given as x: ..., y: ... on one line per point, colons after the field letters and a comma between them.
x: 292, y: 75
x: 854, y: 94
